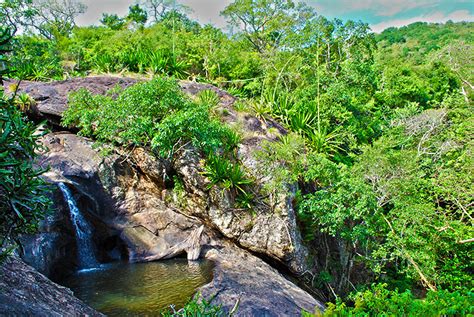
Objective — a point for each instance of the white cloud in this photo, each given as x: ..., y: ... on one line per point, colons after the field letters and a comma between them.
x: 439, y: 17
x: 378, y: 7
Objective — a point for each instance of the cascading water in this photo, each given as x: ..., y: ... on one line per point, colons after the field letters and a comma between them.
x: 83, y: 231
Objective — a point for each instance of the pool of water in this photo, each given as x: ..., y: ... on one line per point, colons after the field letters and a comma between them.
x: 141, y: 289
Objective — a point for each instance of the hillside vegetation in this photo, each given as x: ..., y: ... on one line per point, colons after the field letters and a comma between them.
x: 380, y: 138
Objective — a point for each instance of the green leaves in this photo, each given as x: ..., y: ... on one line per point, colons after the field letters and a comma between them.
x: 197, y: 307
x: 378, y: 300
x: 221, y: 171
x: 154, y: 113
x: 23, y: 194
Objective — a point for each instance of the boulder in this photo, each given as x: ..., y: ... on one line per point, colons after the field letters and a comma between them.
x: 26, y: 292
x: 51, y: 97
x: 247, y: 286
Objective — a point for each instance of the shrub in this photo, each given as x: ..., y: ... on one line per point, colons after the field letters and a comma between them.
x: 152, y: 113
x: 196, y: 307
x: 379, y: 301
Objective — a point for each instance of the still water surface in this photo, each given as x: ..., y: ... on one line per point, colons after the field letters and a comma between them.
x: 142, y: 289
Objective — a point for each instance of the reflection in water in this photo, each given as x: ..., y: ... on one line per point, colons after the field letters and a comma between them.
x: 142, y: 289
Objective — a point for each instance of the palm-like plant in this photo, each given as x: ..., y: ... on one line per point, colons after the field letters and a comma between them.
x: 158, y: 62
x: 221, y: 171
x: 326, y: 142
x: 177, y: 68
x: 261, y: 109
x: 24, y: 102
x: 208, y: 98
x: 302, y: 122
x: 104, y: 63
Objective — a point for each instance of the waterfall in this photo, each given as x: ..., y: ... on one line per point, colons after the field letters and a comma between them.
x: 83, y: 230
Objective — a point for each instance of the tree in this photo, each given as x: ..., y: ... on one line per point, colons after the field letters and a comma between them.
x: 137, y: 15
x: 112, y: 21
x: 157, y: 9
x: 50, y: 18
x: 266, y: 23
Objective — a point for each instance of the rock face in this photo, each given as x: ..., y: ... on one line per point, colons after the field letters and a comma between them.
x: 244, y: 281
x: 122, y: 202
x: 48, y: 251
x: 136, y: 185
x: 140, y: 211
x: 25, y: 292
x: 51, y: 97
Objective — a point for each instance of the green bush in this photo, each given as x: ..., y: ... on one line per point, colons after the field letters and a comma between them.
x: 154, y: 113
x: 197, y: 307
x: 36, y: 59
x: 23, y: 194
x: 379, y: 301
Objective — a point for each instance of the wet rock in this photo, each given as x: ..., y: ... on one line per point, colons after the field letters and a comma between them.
x: 120, y: 194
x: 51, y: 250
x: 191, y: 246
x: 26, y: 292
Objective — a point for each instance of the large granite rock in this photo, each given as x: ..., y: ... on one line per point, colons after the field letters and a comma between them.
x: 26, y: 292
x: 121, y: 195
x: 51, y: 97
x: 137, y: 210
x: 247, y: 285
x: 135, y: 182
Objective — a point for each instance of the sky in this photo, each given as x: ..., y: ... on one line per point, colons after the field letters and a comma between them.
x: 380, y: 14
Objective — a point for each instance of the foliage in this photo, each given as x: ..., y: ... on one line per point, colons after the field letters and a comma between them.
x: 137, y: 15
x: 50, y: 18
x: 197, y: 307
x: 23, y: 194
x: 152, y: 113
x: 24, y: 102
x: 208, y: 98
x: 284, y: 160
x: 112, y: 21
x: 379, y: 301
x: 35, y: 59
x: 221, y: 171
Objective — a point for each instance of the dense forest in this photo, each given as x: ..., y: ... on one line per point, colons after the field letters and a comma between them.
x: 379, y: 143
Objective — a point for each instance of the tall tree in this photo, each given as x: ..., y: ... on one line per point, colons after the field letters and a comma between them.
x: 50, y: 18
x: 157, y: 9
x: 266, y: 23
x: 112, y: 21
x: 137, y: 14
